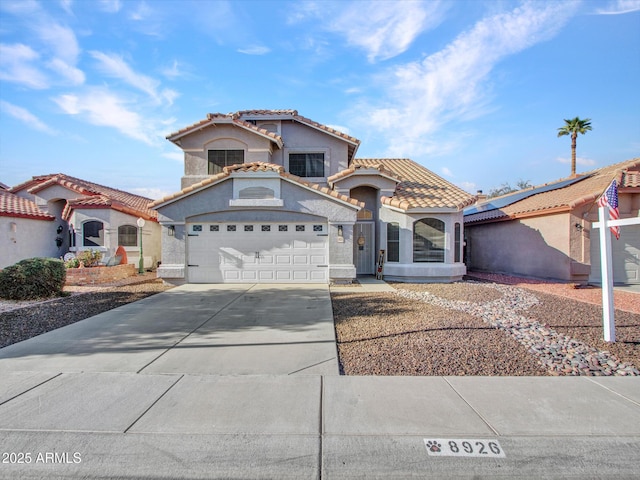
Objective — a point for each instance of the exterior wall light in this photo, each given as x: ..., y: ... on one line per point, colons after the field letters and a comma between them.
x: 340, y: 230
x: 171, y: 231
x: 361, y: 241
x: 13, y: 226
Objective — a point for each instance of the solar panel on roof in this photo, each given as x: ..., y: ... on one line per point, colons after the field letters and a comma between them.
x: 521, y: 195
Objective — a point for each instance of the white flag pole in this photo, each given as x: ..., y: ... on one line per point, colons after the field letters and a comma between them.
x: 607, y: 277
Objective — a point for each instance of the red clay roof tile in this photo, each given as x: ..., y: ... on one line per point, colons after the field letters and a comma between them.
x: 93, y: 195
x: 11, y: 205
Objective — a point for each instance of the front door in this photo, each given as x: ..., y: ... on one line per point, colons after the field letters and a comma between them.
x: 364, y: 248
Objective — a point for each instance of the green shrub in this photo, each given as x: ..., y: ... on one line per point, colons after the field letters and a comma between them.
x: 89, y: 258
x: 72, y: 263
x: 33, y: 278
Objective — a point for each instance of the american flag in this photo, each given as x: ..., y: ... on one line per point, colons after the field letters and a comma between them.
x: 610, y: 199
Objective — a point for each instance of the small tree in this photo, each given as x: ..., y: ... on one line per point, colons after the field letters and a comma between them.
x: 573, y: 127
x: 506, y: 188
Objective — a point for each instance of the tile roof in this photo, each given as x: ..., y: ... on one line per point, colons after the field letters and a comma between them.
x: 230, y: 118
x: 418, y: 187
x: 12, y: 205
x: 254, y: 167
x: 586, y: 189
x: 364, y: 169
x: 91, y: 195
x: 239, y: 119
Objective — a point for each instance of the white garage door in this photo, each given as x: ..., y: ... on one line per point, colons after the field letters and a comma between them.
x: 625, y: 253
x: 257, y: 253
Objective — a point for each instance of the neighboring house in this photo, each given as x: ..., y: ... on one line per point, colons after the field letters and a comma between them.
x: 25, y: 230
x: 546, y: 231
x: 83, y: 215
x: 272, y: 196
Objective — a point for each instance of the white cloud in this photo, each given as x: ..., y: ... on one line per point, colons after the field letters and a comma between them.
x: 103, y: 108
x: 26, y: 117
x: 619, y: 7
x: 73, y: 75
x: 339, y: 128
x: 114, y: 66
x: 110, y: 6
x: 451, y: 85
x: 17, y: 66
x: 56, y: 46
x: 66, y: 6
x: 255, y: 50
x: 587, y: 162
x: 382, y: 29
x: 141, y: 13
x: 446, y: 171
x: 385, y: 29
x: 149, y: 192
x: 468, y: 187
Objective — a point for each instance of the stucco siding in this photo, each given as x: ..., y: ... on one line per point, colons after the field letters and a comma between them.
x: 25, y: 238
x: 537, y: 247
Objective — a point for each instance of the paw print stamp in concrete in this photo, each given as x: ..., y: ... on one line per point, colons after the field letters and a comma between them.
x: 433, y: 446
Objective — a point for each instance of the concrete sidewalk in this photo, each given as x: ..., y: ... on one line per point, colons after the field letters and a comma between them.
x: 127, y: 425
x: 241, y: 382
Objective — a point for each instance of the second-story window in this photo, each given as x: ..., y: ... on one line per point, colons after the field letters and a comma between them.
x: 306, y: 164
x: 218, y: 159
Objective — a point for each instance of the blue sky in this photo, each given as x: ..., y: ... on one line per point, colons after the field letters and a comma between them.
x: 474, y: 90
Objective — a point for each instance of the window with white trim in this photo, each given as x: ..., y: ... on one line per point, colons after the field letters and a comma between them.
x: 393, y: 242
x: 93, y: 234
x: 128, y: 235
x: 428, y: 240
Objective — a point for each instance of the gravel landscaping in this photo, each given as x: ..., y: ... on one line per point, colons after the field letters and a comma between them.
x: 18, y: 322
x: 464, y: 328
x: 471, y: 328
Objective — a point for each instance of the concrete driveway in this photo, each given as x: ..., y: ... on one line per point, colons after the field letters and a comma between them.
x: 195, y: 329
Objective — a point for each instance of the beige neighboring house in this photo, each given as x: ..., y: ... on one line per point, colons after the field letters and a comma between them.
x: 546, y: 231
x: 74, y: 215
x: 272, y: 196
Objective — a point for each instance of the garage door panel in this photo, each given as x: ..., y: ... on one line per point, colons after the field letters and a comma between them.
x: 283, y: 259
x: 300, y: 275
x: 257, y: 253
x: 300, y: 260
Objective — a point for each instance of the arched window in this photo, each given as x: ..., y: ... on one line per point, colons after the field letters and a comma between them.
x: 393, y: 242
x: 128, y: 235
x: 93, y: 234
x: 428, y: 240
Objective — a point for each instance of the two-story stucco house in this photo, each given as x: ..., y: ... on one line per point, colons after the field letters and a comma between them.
x: 272, y: 196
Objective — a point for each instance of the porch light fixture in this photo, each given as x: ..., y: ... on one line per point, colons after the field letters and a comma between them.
x: 13, y: 227
x: 340, y: 230
x: 140, y: 223
x: 171, y: 231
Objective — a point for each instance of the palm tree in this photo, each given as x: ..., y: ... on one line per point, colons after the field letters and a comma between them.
x: 573, y: 127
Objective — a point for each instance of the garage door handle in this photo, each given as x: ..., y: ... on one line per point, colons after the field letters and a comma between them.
x: 192, y: 235
x: 189, y: 265
x: 322, y: 265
